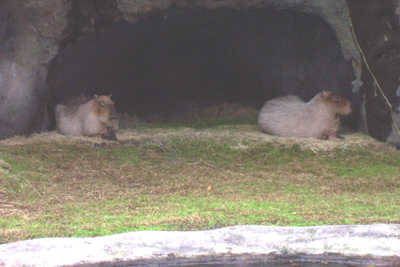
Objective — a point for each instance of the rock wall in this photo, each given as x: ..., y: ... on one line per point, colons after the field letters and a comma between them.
x: 29, y: 38
x: 377, y: 27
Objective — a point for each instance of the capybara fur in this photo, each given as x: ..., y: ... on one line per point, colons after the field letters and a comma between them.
x: 289, y: 116
x: 84, y: 116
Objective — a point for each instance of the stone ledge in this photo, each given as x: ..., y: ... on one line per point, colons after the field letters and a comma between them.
x: 371, y: 241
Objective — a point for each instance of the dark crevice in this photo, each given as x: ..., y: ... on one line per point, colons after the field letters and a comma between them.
x: 164, y: 65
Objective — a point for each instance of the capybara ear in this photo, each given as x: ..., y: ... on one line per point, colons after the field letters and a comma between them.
x: 110, y: 95
x: 325, y: 94
x: 95, y: 97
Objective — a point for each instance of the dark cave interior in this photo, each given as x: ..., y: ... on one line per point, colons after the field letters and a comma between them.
x: 165, y: 65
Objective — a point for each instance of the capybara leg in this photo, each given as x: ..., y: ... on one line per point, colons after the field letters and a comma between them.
x: 324, y: 137
x: 108, y: 136
x: 335, y: 136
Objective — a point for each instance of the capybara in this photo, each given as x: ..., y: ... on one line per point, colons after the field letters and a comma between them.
x: 289, y: 116
x: 84, y: 116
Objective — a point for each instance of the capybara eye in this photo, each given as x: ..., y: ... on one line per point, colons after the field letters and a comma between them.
x: 101, y: 104
x: 336, y: 98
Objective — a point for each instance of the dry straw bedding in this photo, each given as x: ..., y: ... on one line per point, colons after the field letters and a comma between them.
x: 237, y: 134
x: 242, y: 136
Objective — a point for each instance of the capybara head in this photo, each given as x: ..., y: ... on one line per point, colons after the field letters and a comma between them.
x: 105, y: 110
x: 338, y: 103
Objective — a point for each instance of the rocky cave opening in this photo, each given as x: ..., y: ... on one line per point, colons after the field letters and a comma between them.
x: 178, y: 60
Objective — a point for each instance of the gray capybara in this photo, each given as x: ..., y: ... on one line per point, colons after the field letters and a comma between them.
x: 84, y: 116
x: 289, y: 116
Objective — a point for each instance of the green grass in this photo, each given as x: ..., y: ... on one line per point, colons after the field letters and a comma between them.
x: 202, y: 123
x: 175, y: 179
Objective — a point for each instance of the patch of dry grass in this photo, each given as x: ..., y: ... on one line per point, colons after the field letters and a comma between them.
x: 185, y: 178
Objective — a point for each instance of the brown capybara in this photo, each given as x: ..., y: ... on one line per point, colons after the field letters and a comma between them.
x: 289, y: 116
x: 84, y: 116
